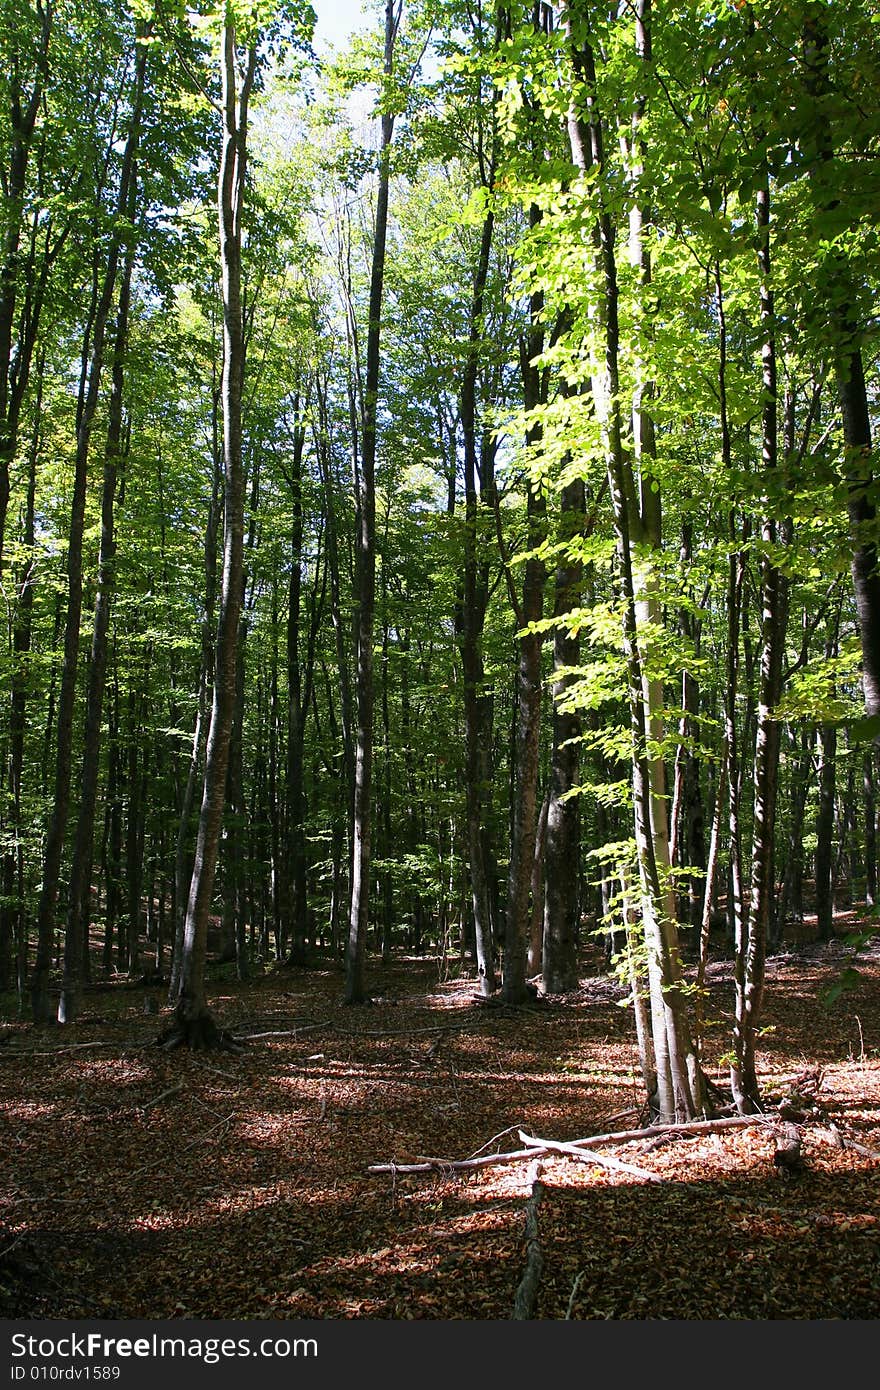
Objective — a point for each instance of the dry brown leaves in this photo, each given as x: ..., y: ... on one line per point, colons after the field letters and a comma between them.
x: 140, y: 1184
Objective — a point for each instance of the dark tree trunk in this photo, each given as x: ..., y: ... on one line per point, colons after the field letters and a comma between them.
x: 475, y: 597
x: 870, y: 820
x: 15, y: 357
x: 850, y: 379
x: 527, y: 724
x: 791, y: 893
x: 86, y: 407
x: 562, y: 853
x: 825, y: 831
x: 296, y: 882
x: 13, y: 939
x: 76, y: 933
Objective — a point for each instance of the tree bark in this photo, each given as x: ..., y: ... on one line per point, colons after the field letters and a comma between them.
x: 750, y: 947
x: 562, y: 853
x: 86, y: 407
x: 359, y: 885
x: 78, y: 913
x: 192, y: 1016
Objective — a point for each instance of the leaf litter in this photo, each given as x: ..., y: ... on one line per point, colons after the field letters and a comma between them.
x: 139, y: 1184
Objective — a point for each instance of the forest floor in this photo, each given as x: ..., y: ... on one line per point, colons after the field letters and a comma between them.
x: 137, y: 1183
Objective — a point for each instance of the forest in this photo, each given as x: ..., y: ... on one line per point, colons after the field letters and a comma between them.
x: 440, y: 696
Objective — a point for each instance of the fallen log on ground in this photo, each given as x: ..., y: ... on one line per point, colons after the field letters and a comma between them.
x: 590, y: 1141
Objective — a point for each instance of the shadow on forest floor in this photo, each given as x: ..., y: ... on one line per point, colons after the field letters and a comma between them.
x: 141, y: 1184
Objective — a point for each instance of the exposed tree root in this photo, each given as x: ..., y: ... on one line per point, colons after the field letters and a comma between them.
x: 199, y: 1034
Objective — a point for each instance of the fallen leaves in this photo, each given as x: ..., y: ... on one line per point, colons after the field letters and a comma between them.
x: 148, y: 1185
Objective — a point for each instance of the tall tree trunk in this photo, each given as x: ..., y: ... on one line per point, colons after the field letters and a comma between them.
x: 296, y: 889
x: 15, y: 358
x: 12, y: 909
x: 182, y: 857
x: 359, y: 886
x: 527, y: 725
x: 750, y: 946
x: 193, y: 1022
x: 851, y: 386
x: 81, y: 868
x: 475, y: 596
x: 562, y: 852
x: 825, y: 813
x: 679, y: 1082
x: 86, y: 407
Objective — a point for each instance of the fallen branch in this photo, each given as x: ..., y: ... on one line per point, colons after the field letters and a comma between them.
x: 591, y: 1141
x: 682, y: 1131
x: 72, y: 1047
x: 843, y: 1141
x: 157, y: 1100
x: 588, y: 1156
x: 289, y: 1032
x: 573, y: 1295
x: 526, y: 1298
x: 408, y: 1032
x: 453, y: 1165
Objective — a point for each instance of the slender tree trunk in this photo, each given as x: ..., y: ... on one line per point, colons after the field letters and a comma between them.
x: 359, y: 887
x: 870, y: 821
x: 679, y: 1082
x: 823, y: 862
x: 477, y: 706
x: 791, y: 903
x: 562, y: 854
x: 851, y: 385
x: 193, y: 1022
x: 296, y: 884
x: 87, y: 406
x: 81, y: 869
x: 15, y: 358
x: 750, y: 947
x: 12, y: 909
x: 527, y: 727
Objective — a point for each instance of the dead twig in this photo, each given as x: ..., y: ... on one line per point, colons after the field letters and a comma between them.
x: 502, y: 1134
x: 590, y: 1141
x: 573, y: 1295
x: 157, y: 1100
x: 72, y: 1047
x: 526, y: 1298
x: 588, y: 1156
